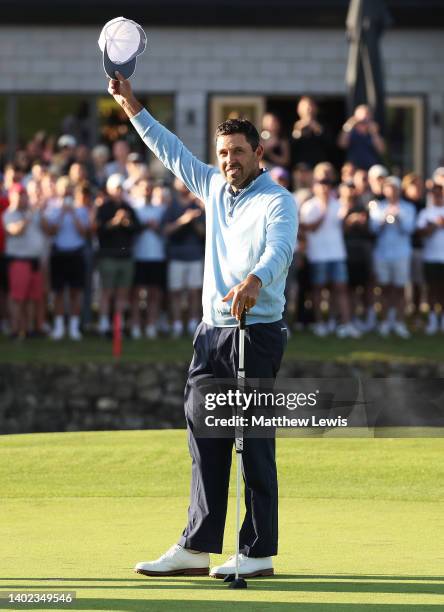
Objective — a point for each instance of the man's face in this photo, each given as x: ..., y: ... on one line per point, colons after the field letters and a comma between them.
x: 237, y: 161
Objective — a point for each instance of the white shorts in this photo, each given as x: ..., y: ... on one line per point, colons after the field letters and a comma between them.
x: 396, y: 272
x: 185, y: 275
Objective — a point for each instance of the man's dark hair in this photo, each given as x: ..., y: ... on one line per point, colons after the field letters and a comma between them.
x: 239, y: 126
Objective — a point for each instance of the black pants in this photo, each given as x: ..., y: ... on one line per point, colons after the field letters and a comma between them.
x: 216, y: 356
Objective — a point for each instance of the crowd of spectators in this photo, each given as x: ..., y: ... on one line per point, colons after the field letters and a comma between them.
x: 85, y: 234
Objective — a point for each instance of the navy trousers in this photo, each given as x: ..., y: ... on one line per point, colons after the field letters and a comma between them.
x: 216, y: 356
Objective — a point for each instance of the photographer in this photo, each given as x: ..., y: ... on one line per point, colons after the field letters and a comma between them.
x: 361, y: 138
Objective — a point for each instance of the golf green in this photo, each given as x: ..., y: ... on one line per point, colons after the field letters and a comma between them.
x: 361, y: 524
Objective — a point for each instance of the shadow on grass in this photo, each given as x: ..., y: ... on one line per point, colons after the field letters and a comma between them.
x: 283, y: 582
x: 175, y: 605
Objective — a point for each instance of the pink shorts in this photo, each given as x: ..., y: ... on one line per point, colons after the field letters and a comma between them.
x: 25, y: 283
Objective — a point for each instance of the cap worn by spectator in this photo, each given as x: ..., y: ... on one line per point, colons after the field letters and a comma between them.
x: 438, y: 174
x: 115, y: 181
x: 279, y: 173
x: 135, y: 158
x: 394, y: 181
x: 378, y: 171
x: 66, y: 140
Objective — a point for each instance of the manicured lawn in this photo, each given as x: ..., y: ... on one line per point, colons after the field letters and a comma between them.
x: 360, y: 523
x: 302, y: 346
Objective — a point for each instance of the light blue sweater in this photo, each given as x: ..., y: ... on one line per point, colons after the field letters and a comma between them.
x: 251, y: 233
x: 393, y: 240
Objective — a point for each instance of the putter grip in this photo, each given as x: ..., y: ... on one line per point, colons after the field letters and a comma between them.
x: 243, y: 319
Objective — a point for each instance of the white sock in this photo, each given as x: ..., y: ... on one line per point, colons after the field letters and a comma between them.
x: 371, y: 316
x: 74, y: 322
x: 59, y: 322
x: 433, y: 318
x: 391, y: 315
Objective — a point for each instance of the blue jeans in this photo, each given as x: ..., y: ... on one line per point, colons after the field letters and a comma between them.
x: 325, y: 272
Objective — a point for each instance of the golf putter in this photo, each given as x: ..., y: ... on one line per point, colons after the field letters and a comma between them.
x: 234, y: 580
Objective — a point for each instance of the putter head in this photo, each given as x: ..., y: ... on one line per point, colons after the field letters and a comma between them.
x: 240, y: 583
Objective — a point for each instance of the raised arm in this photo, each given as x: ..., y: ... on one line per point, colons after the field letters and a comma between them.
x: 166, y: 146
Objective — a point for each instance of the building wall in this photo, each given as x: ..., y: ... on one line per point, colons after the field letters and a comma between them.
x: 194, y: 62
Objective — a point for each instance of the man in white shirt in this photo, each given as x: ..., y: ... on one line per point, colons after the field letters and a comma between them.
x: 322, y: 219
x: 430, y: 224
x: 150, y: 260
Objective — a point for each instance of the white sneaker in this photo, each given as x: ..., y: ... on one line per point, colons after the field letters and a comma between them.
x: 74, y: 334
x: 151, y: 332
x: 74, y: 331
x: 58, y: 333
x: 248, y: 567
x: 320, y: 330
x: 384, y: 328
x: 401, y: 330
x: 177, y: 561
x: 347, y: 331
x: 136, y: 334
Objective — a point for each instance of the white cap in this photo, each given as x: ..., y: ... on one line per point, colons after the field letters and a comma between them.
x: 66, y: 141
x: 121, y: 41
x: 395, y: 181
x: 438, y: 173
x: 378, y: 171
x: 114, y: 181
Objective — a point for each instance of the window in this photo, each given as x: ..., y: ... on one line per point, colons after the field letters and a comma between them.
x: 405, y: 134
x: 231, y: 107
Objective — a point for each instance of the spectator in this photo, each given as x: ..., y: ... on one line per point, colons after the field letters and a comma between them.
x: 358, y: 243
x: 362, y: 187
x: 67, y: 221
x: 309, y: 142
x: 276, y: 146
x: 61, y: 162
x: 302, y: 176
x: 322, y: 219
x: 281, y: 176
x: 99, y: 157
x: 413, y: 191
x: 150, y: 257
x: 4, y: 203
x: 347, y: 172
x: 78, y: 173
x: 136, y: 171
x: 431, y: 227
x: 361, y: 139
x: 185, y: 231
x: 116, y: 224
x: 376, y: 177
x: 120, y: 159
x: 24, y: 243
x: 393, y: 222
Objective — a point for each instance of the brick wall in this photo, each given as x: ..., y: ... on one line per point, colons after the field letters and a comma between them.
x: 193, y: 62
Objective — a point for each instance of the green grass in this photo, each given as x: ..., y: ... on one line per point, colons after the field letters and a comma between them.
x: 361, y: 525
x: 302, y: 345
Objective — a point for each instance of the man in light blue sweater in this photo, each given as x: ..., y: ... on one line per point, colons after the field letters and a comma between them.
x: 251, y: 228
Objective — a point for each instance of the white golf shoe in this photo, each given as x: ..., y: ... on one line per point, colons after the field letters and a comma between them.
x: 248, y: 567
x: 177, y: 561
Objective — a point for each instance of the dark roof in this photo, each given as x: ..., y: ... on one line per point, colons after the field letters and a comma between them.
x: 213, y: 13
